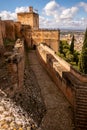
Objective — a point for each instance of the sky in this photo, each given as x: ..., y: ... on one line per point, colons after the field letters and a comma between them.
x: 62, y: 14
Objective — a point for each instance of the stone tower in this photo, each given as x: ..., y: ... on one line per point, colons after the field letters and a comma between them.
x: 29, y: 18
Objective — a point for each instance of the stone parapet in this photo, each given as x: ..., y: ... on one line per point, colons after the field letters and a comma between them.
x: 72, y: 84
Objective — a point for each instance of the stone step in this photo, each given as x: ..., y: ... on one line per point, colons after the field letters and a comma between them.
x: 81, y: 109
x: 83, y: 88
x: 81, y: 94
x: 81, y: 104
x: 83, y: 101
x: 81, y: 98
x: 81, y: 113
x: 81, y: 127
x: 80, y: 116
x: 81, y: 120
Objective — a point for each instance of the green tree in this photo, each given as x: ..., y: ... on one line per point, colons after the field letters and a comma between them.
x: 83, y: 56
x: 72, y: 45
x: 69, y: 56
x: 76, y: 56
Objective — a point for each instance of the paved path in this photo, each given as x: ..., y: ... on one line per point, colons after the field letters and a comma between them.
x: 58, y: 115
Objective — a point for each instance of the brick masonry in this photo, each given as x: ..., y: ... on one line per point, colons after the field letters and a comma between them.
x: 73, y: 86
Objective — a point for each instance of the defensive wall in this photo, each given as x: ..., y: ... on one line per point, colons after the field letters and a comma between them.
x: 70, y: 81
x: 12, y: 30
x: 16, y: 64
x: 9, y: 30
x: 49, y: 37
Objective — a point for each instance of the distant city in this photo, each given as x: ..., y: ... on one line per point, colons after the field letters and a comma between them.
x: 66, y: 34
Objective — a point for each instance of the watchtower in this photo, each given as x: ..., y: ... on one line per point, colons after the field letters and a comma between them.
x: 29, y: 18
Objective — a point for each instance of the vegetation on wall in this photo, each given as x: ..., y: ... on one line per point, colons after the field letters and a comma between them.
x: 8, y: 44
x: 83, y: 56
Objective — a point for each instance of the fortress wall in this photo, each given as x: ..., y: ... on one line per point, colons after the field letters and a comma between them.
x: 48, y: 37
x: 25, y: 18
x: 51, y: 38
x: 61, y: 61
x: 35, y: 21
x: 28, y: 39
x: 29, y: 18
x: 56, y: 72
x: 72, y: 84
x: 2, y: 35
x: 16, y: 66
x: 3, y: 29
x: 9, y: 29
x: 80, y: 76
x: 18, y: 28
x: 36, y: 37
x: 21, y: 62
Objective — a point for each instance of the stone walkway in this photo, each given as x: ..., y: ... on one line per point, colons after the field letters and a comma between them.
x: 59, y: 115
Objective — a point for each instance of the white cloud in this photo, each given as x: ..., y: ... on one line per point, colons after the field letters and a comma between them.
x: 84, y: 5
x: 7, y: 15
x: 21, y: 9
x: 62, y: 17
x: 51, y: 8
x: 69, y: 13
x: 58, y: 15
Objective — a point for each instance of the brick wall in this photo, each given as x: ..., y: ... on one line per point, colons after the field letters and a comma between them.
x: 71, y: 82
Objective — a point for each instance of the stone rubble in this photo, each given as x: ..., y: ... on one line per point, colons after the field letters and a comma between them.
x: 13, y: 117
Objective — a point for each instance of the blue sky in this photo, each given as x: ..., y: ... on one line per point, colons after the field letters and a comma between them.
x: 53, y: 13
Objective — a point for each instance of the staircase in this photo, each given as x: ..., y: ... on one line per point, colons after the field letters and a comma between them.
x: 81, y: 108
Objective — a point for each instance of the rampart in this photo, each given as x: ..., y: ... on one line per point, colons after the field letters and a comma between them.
x: 49, y: 37
x: 9, y: 30
x: 15, y: 65
x: 71, y: 82
x: 2, y: 34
